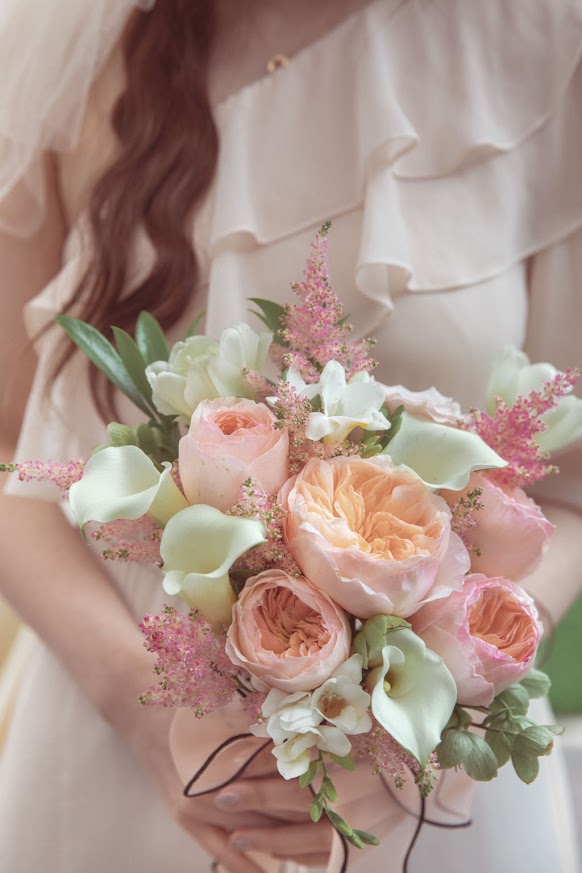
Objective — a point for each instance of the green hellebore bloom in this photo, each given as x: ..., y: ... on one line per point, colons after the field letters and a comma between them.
x: 123, y: 482
x: 443, y: 457
x: 199, y: 546
x: 413, y: 694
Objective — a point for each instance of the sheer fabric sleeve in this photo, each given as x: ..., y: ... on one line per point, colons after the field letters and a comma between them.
x: 51, y: 53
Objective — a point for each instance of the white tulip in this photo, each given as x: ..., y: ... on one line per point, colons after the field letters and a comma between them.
x: 513, y: 375
x: 168, y: 379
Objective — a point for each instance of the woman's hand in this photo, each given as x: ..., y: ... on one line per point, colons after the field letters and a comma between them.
x: 259, y: 813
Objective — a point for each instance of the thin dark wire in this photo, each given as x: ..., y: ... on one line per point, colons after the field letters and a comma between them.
x: 430, y: 821
x: 213, y: 757
x: 415, y: 836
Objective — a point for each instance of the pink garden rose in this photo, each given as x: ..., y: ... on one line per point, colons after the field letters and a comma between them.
x: 429, y: 403
x: 372, y: 536
x: 512, y: 533
x: 487, y: 634
x: 287, y: 634
x: 229, y: 441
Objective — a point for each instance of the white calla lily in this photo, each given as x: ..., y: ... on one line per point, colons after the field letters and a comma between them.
x: 513, y: 375
x: 198, y: 548
x: 413, y: 694
x: 443, y: 457
x: 123, y: 482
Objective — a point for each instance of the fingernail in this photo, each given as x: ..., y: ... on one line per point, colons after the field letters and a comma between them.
x: 241, y: 843
x: 228, y: 800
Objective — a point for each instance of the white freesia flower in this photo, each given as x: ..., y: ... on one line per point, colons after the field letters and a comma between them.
x: 443, y: 457
x: 220, y: 375
x: 342, y: 701
x: 168, y: 379
x: 287, y: 715
x: 413, y: 693
x: 122, y: 482
x: 512, y: 375
x: 293, y: 755
x: 345, y: 405
x: 198, y: 547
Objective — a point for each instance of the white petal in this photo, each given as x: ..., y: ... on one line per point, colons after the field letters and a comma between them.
x: 122, y: 482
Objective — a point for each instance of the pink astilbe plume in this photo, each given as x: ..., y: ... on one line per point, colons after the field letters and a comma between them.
x: 61, y: 473
x: 191, y: 662
x: 463, y: 516
x: 511, y: 431
x: 293, y: 410
x: 129, y: 540
x: 256, y: 503
x: 391, y: 760
x: 314, y: 330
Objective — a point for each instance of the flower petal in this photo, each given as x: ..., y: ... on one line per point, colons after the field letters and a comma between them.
x: 443, y: 457
x: 122, y: 482
x: 416, y: 717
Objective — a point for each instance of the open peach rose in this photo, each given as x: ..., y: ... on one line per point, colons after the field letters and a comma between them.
x: 230, y: 440
x: 487, y: 634
x: 372, y: 536
x: 287, y: 634
x: 512, y: 533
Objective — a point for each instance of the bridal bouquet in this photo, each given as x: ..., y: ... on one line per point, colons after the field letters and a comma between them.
x: 350, y: 552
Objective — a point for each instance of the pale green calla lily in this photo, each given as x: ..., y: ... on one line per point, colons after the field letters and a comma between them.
x: 198, y: 547
x: 443, y: 457
x: 122, y: 482
x: 413, y: 694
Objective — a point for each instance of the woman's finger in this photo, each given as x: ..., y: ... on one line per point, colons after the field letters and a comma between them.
x: 287, y: 841
x: 272, y: 796
x: 215, y: 842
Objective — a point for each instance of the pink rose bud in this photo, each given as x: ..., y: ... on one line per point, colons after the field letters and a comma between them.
x: 230, y: 440
x: 287, y: 634
x: 487, y: 634
x: 511, y: 534
x: 372, y: 536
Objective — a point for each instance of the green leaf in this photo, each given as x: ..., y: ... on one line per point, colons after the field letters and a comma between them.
x: 271, y: 313
x: 536, y: 683
x: 534, y: 740
x: 526, y: 766
x: 151, y: 339
x: 339, y: 823
x: 375, y: 631
x: 134, y: 364
x: 347, y: 762
x: 316, y: 808
x: 368, y: 839
x: 193, y: 329
x: 500, y: 744
x: 514, y: 698
x: 120, y: 434
x: 308, y: 777
x: 100, y: 351
x: 355, y: 840
x: 361, y: 648
x: 481, y: 763
x: 454, y: 748
x: 329, y: 789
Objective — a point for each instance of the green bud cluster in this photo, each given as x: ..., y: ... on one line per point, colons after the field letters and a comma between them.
x: 508, y: 734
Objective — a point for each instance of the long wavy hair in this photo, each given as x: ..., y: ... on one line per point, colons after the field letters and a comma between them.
x: 168, y: 149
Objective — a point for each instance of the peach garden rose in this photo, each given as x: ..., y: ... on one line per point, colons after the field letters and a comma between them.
x: 230, y: 440
x: 372, y: 536
x: 487, y: 634
x: 287, y: 634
